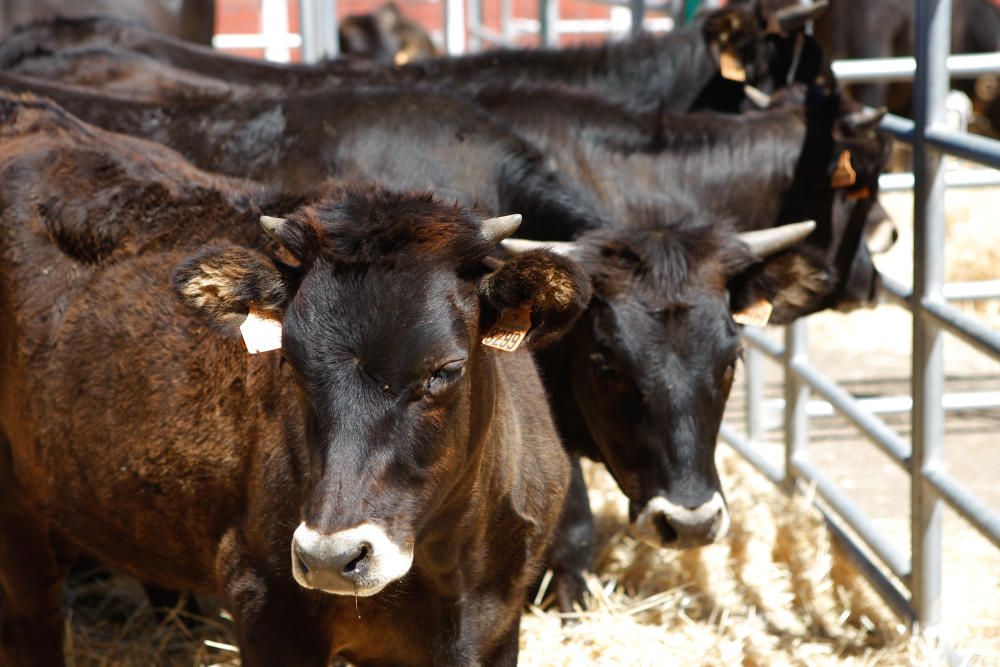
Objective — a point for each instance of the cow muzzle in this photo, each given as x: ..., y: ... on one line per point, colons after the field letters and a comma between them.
x: 358, y: 561
x: 663, y: 524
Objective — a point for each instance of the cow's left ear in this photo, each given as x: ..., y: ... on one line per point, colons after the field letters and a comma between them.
x: 537, y: 296
x: 781, y: 288
x: 223, y: 282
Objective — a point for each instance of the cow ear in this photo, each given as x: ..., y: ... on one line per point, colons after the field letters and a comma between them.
x: 536, y: 297
x: 223, y: 283
x: 781, y: 288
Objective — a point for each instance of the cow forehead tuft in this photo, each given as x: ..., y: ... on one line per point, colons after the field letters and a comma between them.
x: 373, y: 226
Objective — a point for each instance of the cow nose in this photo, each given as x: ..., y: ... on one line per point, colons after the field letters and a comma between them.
x: 663, y: 523
x: 351, y: 563
x: 357, y: 561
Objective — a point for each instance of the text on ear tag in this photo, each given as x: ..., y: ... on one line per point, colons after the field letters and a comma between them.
x: 756, y: 315
x: 732, y: 66
x: 261, y: 333
x: 510, y: 329
x: 844, y: 175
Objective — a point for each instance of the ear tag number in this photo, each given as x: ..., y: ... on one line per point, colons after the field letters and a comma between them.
x: 510, y: 330
x: 260, y: 332
x: 756, y: 315
x: 731, y: 66
x: 844, y: 175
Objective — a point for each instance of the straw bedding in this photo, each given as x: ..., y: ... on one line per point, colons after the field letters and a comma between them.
x: 775, y: 592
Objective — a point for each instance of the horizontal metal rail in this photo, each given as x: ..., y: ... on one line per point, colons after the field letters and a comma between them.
x: 871, y: 70
x: 956, y: 178
x: 747, y: 450
x: 855, y: 517
x: 959, y: 498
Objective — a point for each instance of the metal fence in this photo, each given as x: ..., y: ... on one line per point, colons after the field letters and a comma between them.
x: 911, y: 582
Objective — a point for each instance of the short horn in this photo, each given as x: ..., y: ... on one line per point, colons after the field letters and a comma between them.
x: 496, y: 230
x: 518, y: 246
x: 758, y: 97
x: 766, y: 242
x: 271, y: 225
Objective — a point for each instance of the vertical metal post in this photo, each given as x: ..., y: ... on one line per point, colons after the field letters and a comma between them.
x: 930, y: 86
x: 506, y: 29
x: 475, y: 21
x: 307, y: 28
x: 548, y: 22
x: 753, y: 366
x: 638, y: 15
x: 454, y: 26
x: 329, y: 37
x: 274, y: 26
x: 796, y: 399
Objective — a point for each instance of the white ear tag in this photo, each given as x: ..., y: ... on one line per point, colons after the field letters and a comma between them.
x: 756, y: 315
x: 261, y: 333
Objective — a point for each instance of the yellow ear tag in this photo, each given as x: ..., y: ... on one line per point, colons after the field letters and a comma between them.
x: 844, y: 175
x: 260, y: 332
x: 732, y: 66
x: 510, y: 329
x: 756, y: 315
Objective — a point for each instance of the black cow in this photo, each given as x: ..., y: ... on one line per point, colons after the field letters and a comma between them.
x: 385, y: 36
x: 385, y: 456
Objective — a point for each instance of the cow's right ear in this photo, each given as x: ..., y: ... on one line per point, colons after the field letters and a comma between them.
x: 222, y: 282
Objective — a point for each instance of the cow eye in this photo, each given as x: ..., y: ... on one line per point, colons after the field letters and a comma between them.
x: 603, y: 369
x: 445, y: 375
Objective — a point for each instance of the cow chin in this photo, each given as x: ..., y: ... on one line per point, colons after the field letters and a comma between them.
x: 663, y: 524
x: 358, y: 561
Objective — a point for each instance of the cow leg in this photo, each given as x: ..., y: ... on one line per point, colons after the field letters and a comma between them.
x: 277, y: 622
x: 572, y: 549
x: 31, y: 581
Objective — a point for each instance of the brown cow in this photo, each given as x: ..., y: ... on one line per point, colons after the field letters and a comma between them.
x: 385, y: 454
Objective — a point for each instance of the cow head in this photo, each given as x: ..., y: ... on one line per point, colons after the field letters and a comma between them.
x: 382, y: 320
x: 651, y: 362
x: 836, y: 183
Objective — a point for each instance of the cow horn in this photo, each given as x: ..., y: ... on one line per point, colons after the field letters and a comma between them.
x: 496, y: 230
x: 518, y: 246
x: 758, y: 97
x: 271, y: 225
x: 867, y: 118
x: 766, y: 242
x: 795, y: 17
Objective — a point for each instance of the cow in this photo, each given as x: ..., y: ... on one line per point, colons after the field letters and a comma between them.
x: 438, y: 143
x: 761, y: 169
x: 383, y: 488
x: 385, y: 36
x: 190, y: 20
x: 675, y: 72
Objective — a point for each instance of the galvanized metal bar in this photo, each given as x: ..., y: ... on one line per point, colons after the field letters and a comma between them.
x: 901, y: 129
x: 308, y: 18
x: 454, y: 26
x: 933, y: 35
x: 548, y: 22
x: 885, y: 586
x: 887, y: 440
x: 943, y: 315
x: 757, y: 339
x: 326, y: 29
x: 506, y: 25
x: 746, y: 449
x: 796, y: 400
x: 854, y: 516
x: 872, y: 70
x: 490, y: 36
x: 953, y: 178
x: 966, y: 146
x: 473, y: 22
x: 753, y: 367
x: 887, y: 405
x: 974, y: 290
x: 638, y: 8
x: 273, y: 30
x: 980, y: 515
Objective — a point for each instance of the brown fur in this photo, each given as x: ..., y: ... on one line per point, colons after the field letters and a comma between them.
x: 130, y: 429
